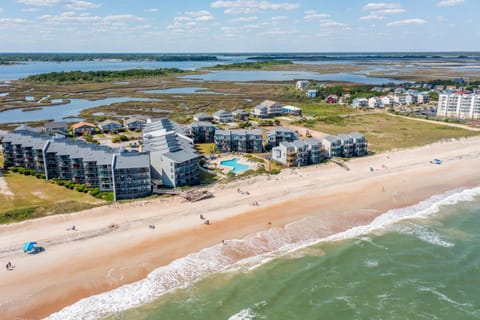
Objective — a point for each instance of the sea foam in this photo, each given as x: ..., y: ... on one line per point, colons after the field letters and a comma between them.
x: 244, y: 255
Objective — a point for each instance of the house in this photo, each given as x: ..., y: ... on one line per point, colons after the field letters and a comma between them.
x: 312, y: 93
x: 331, y: 99
x: 411, y: 98
x: 110, y: 126
x: 388, y: 100
x: 346, y: 143
x: 201, y: 132
x: 375, y: 102
x: 260, y: 111
x: 302, y: 84
x: 359, y: 103
x: 82, y: 128
x: 55, y: 127
x: 202, y: 117
x: 298, y: 153
x: 134, y: 124
x: 245, y: 141
x: 280, y: 134
x: 332, y: 146
x: 400, y: 99
x: 241, y: 114
x: 423, y: 97
x: 291, y: 110
x: 222, y: 116
x: 359, y: 144
x: 268, y: 109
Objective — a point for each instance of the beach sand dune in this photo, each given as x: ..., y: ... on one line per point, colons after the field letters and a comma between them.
x: 113, y: 245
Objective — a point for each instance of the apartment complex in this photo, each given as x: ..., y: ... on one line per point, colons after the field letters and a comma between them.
x: 201, y: 132
x: 246, y: 141
x: 278, y: 135
x: 345, y: 145
x: 125, y: 174
x: 173, y: 158
x: 460, y: 105
x: 268, y: 109
x: 298, y: 153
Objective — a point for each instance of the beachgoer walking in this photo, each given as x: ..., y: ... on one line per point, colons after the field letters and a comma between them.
x: 202, y: 217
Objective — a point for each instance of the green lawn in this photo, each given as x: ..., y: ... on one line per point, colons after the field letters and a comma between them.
x: 325, y: 109
x: 386, y: 132
x: 46, y: 198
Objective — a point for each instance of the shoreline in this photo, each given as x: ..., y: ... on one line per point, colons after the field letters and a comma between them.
x: 96, y: 258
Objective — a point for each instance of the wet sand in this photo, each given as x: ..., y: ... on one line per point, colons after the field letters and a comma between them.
x: 113, y: 245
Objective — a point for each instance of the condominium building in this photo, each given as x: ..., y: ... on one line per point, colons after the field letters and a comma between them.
x: 173, y: 158
x: 268, y: 109
x: 345, y: 145
x: 459, y: 105
x: 125, y: 174
x: 201, y: 132
x: 298, y: 153
x: 246, y: 141
x: 280, y: 134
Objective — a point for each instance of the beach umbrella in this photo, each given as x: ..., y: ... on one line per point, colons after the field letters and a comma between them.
x: 29, y: 246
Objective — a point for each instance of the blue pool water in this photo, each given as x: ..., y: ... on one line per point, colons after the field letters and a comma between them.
x: 237, y: 167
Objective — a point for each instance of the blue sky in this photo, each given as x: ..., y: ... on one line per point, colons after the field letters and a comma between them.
x: 238, y: 25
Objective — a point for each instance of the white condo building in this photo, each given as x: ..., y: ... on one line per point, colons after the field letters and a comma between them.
x: 459, y: 106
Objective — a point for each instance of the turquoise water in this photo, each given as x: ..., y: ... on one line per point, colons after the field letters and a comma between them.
x: 419, y: 262
x: 237, y: 167
x: 61, y: 111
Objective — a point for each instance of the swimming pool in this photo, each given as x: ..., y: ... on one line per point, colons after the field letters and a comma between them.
x: 237, y: 167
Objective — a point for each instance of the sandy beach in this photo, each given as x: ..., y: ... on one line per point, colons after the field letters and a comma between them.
x: 113, y: 245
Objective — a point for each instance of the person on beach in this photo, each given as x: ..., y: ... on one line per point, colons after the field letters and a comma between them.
x: 202, y: 217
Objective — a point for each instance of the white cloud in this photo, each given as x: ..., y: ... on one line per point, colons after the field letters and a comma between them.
x: 190, y: 21
x: 313, y: 15
x: 71, y: 17
x: 330, y: 23
x: 40, y: 2
x: 373, y: 6
x: 276, y: 18
x: 245, y: 19
x: 415, y: 21
x: 372, y: 16
x: 12, y: 21
x: 151, y: 10
x: 378, y: 10
x: 30, y: 10
x: 252, y: 6
x: 81, y: 5
x: 449, y: 3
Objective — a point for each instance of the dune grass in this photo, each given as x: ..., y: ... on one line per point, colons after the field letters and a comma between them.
x: 34, y: 197
x: 386, y: 132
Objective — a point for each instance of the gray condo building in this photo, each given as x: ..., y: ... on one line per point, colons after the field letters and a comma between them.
x: 245, y: 141
x: 125, y: 174
x: 298, y: 152
x: 173, y: 158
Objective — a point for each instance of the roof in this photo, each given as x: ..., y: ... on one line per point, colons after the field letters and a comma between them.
x: 132, y: 120
x: 127, y: 160
x: 357, y: 136
x: 313, y: 141
x: 299, y: 143
x: 344, y: 137
x: 55, y: 124
x: 291, y: 108
x: 202, y: 124
x: 181, y: 156
x: 268, y: 103
x: 331, y: 138
x: 107, y: 122
x: 82, y: 124
x: 222, y: 113
x: 240, y: 111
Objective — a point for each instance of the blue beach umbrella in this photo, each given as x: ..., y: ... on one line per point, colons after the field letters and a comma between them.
x: 29, y: 246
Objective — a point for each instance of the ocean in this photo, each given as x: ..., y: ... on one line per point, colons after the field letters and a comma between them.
x: 418, y: 262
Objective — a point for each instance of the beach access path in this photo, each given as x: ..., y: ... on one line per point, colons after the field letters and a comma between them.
x: 113, y: 245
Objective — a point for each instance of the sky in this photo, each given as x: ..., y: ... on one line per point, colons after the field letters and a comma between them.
x: 238, y: 25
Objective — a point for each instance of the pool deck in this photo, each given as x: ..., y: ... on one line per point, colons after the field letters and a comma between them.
x: 241, y: 160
